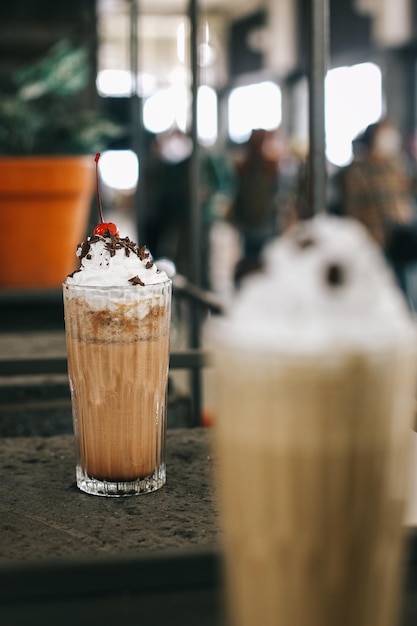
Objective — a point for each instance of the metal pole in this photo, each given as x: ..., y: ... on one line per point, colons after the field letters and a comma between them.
x: 318, y: 48
x: 195, y: 221
x: 195, y: 215
x: 136, y: 118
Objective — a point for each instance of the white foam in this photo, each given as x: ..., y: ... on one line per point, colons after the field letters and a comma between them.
x: 325, y: 287
x: 101, y: 268
x: 129, y: 301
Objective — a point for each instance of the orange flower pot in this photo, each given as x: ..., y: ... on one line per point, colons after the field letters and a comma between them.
x: 44, y: 211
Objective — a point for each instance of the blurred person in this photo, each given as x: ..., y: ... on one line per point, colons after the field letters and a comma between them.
x: 254, y: 207
x: 291, y: 184
x: 169, y: 187
x: 377, y: 189
x: 268, y: 192
x: 217, y: 192
x: 168, y: 195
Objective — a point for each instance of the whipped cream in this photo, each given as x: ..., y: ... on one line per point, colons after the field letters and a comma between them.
x: 325, y: 287
x: 110, y: 261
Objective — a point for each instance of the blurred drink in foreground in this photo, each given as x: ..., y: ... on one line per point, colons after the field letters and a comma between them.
x: 315, y: 369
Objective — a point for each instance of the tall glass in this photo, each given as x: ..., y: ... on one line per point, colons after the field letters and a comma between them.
x: 313, y: 459
x: 118, y: 356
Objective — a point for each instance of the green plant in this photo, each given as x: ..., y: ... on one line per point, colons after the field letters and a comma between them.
x: 43, y: 114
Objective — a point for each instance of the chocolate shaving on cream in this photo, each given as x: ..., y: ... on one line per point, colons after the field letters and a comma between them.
x: 136, y: 281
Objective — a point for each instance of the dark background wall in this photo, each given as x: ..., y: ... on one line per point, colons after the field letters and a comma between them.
x: 28, y: 28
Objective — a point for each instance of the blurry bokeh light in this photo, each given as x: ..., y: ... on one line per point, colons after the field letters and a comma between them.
x: 114, y: 83
x: 119, y: 169
x: 159, y: 112
x: 207, y: 121
x: 353, y: 101
x: 254, y: 106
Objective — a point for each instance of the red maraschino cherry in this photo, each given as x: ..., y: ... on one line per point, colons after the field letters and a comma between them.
x: 103, y: 227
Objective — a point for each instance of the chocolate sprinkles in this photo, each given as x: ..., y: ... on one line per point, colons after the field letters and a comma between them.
x: 112, y: 243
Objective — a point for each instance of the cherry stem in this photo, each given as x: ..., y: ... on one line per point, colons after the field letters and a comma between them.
x: 100, y: 208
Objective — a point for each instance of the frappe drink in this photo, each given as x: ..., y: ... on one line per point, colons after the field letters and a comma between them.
x: 117, y: 320
x: 315, y: 366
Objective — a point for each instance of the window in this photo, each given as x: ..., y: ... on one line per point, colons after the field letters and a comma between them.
x: 254, y: 106
x: 353, y: 101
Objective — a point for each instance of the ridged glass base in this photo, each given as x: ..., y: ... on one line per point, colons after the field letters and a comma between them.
x: 96, y: 487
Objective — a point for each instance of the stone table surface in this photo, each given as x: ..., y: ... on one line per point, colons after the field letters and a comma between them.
x: 70, y: 558
x: 45, y: 517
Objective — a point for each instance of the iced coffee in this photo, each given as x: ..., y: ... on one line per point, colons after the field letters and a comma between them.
x: 315, y: 366
x: 117, y: 320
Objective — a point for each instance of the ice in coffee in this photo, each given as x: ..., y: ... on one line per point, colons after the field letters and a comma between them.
x: 117, y: 320
x: 315, y: 366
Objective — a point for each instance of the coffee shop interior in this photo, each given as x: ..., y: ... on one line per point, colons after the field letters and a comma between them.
x: 181, y: 86
x: 173, y: 94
